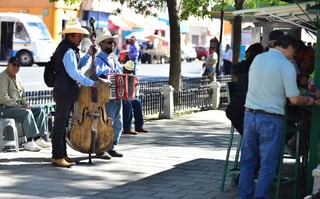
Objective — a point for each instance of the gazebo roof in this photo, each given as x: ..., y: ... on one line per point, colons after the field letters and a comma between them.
x: 302, y: 14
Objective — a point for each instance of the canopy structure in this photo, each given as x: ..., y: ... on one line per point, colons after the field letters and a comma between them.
x: 154, y: 37
x: 139, y: 35
x: 299, y: 14
x: 136, y: 22
x: 116, y: 23
x: 304, y: 14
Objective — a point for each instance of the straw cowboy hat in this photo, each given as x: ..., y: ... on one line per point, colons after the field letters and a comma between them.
x: 105, y: 35
x: 129, y: 65
x: 74, y: 27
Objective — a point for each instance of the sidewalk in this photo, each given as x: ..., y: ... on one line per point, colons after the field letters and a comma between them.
x: 181, y: 158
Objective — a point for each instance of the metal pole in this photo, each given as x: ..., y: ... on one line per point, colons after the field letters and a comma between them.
x: 220, y: 39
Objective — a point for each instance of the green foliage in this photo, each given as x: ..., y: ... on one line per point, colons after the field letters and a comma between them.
x: 142, y: 6
x: 68, y: 2
x: 198, y: 8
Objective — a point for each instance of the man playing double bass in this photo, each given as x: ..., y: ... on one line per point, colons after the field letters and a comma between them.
x: 66, y: 88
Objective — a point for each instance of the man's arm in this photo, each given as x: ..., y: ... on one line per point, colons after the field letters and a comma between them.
x: 302, y: 100
x: 70, y: 63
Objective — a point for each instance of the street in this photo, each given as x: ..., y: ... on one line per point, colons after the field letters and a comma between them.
x: 32, y: 77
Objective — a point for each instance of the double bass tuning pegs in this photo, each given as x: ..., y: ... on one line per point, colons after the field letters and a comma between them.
x: 92, y: 20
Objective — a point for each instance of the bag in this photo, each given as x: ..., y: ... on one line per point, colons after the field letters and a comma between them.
x: 49, y: 74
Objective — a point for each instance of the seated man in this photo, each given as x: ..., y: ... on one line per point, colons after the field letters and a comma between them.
x: 13, y: 105
x: 134, y: 104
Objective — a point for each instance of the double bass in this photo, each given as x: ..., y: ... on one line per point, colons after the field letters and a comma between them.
x: 91, y: 130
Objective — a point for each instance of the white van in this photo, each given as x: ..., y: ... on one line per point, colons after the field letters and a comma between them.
x: 25, y: 36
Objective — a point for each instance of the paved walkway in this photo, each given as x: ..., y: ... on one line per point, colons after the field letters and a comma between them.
x: 181, y: 158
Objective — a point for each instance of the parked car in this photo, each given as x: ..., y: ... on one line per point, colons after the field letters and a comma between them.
x: 202, y: 52
x: 188, y: 54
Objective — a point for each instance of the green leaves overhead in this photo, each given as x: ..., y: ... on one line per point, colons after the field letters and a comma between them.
x: 186, y: 8
x: 68, y: 2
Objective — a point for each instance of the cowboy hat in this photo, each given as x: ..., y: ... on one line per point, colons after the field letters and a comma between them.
x: 74, y: 27
x: 129, y: 65
x: 105, y: 35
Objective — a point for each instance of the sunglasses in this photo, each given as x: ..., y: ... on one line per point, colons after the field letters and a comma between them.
x: 108, y: 42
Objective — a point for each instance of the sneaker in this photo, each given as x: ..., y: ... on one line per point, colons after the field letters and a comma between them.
x: 43, y: 144
x: 31, y: 146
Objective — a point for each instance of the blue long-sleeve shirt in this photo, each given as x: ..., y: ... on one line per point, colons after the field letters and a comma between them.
x: 70, y: 63
x: 107, y: 64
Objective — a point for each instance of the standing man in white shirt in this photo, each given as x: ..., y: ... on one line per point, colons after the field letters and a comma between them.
x: 227, y: 60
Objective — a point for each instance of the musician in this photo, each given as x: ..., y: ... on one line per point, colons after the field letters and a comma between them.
x: 134, y: 104
x: 107, y: 63
x: 14, y: 105
x: 66, y: 88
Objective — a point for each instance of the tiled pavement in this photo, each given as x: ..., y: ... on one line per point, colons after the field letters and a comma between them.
x: 181, y: 158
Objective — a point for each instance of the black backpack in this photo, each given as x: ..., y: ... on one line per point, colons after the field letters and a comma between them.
x: 49, y: 74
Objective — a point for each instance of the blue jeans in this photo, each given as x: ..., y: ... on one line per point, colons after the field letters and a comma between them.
x: 114, y: 110
x: 33, y: 120
x: 261, y: 141
x: 135, y: 61
x: 128, y: 105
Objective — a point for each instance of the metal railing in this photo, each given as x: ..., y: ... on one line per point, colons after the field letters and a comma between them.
x: 195, y: 94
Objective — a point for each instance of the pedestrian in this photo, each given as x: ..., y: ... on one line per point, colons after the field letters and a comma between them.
x: 66, y: 88
x: 108, y: 64
x: 227, y: 60
x: 235, y: 109
x: 272, y: 38
x: 209, y: 65
x: 14, y: 105
x: 134, y: 51
x: 272, y: 80
x: 134, y: 105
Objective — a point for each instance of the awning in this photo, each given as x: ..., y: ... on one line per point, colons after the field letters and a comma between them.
x: 298, y: 14
x: 156, y: 37
x: 139, y: 35
x: 116, y: 23
x: 136, y: 21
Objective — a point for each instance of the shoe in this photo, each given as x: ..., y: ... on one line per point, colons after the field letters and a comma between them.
x: 43, y: 144
x: 31, y: 146
x: 129, y: 131
x: 61, y: 162
x: 103, y: 155
x: 115, y: 154
x: 290, y: 151
x: 142, y: 130
x: 66, y: 158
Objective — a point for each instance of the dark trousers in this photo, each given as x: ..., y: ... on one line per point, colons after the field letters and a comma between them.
x: 61, y: 117
x: 227, y: 65
x: 128, y: 105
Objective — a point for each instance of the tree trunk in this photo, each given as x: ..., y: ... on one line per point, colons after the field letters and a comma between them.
x: 175, y: 48
x: 236, y: 38
x: 237, y: 32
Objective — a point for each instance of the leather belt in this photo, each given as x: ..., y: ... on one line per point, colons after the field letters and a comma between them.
x: 263, y: 112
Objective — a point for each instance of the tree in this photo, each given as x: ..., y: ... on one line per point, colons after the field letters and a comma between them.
x: 181, y: 11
